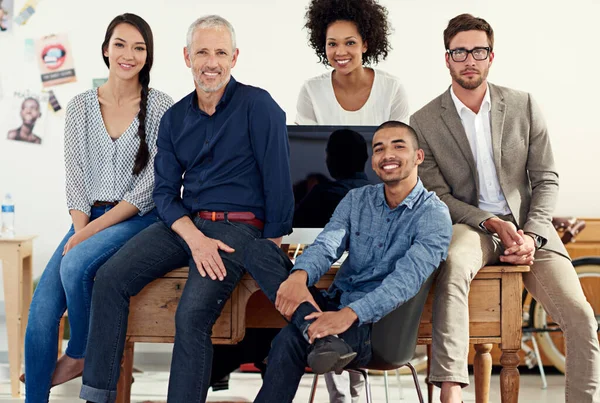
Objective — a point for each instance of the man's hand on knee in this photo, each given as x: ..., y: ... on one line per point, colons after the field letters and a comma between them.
x: 292, y: 292
x: 205, y: 252
x: 330, y: 323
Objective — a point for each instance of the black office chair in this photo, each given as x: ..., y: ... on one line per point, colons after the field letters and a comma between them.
x: 394, y: 340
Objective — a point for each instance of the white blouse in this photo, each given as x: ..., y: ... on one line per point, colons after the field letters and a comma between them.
x: 99, y: 168
x: 317, y: 104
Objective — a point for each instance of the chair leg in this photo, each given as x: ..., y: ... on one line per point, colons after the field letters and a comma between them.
x: 313, y: 390
x: 61, y: 331
x: 400, y: 389
x: 367, y: 384
x: 386, y: 384
x: 416, y: 381
x: 429, y: 384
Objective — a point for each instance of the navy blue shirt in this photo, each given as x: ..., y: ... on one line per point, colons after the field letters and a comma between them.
x: 234, y: 160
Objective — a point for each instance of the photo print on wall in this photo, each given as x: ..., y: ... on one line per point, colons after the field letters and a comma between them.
x: 6, y: 14
x: 26, y: 116
x: 55, y: 60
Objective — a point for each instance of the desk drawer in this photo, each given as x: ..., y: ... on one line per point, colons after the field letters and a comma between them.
x: 152, y: 312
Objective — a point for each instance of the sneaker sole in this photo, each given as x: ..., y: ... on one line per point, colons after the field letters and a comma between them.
x: 330, y: 361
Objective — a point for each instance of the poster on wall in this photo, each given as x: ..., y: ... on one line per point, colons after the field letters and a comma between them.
x: 26, y: 116
x: 55, y: 60
x: 26, y: 12
x: 6, y: 13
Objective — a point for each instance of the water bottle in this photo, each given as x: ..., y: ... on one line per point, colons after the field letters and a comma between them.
x: 8, y: 217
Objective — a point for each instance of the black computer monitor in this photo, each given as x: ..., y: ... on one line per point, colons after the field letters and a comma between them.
x: 307, y: 149
x: 316, y: 192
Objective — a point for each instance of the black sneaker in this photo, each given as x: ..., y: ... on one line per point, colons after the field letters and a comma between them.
x: 329, y: 354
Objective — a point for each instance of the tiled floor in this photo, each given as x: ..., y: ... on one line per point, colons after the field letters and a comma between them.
x: 152, y: 385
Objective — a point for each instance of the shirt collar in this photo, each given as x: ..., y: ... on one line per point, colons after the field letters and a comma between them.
x: 229, y: 90
x: 409, y: 201
x: 486, y: 103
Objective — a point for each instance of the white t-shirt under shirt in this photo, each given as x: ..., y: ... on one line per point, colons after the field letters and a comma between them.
x: 317, y: 104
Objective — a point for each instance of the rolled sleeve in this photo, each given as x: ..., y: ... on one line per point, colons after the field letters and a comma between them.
x: 428, y: 250
x: 269, y: 136
x: 329, y: 245
x: 168, y: 177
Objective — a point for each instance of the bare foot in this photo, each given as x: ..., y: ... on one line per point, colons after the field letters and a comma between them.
x: 451, y: 392
x: 67, y: 368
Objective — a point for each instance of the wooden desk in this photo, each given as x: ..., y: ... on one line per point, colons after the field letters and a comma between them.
x: 494, y: 307
x: 17, y: 271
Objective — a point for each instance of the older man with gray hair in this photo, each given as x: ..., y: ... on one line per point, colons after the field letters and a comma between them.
x: 226, y: 144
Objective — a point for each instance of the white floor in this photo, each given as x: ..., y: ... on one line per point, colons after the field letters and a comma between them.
x: 152, y: 385
x: 154, y: 359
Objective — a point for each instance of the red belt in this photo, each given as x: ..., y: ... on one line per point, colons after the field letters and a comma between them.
x: 245, y: 217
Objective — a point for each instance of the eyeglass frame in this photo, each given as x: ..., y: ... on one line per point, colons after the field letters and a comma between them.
x: 450, y: 53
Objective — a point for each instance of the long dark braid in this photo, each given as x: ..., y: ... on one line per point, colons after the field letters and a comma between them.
x: 143, y: 154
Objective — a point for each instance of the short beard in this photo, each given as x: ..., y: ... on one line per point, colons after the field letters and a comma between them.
x: 216, y: 88
x: 468, y: 84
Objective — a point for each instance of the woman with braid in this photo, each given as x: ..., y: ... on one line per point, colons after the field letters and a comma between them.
x: 110, y: 144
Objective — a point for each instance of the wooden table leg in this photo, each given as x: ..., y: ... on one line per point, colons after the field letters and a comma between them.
x: 511, y: 322
x: 125, y: 376
x: 509, y: 376
x: 482, y: 368
x: 16, y: 257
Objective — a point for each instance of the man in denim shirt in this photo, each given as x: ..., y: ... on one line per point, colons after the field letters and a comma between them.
x: 397, y: 233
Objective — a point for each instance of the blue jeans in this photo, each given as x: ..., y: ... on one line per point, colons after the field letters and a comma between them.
x: 67, y: 282
x: 151, y: 254
x: 270, y: 266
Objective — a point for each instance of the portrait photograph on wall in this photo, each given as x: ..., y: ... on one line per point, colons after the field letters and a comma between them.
x: 24, y: 116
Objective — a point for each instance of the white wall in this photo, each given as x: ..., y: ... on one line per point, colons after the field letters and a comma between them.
x: 548, y: 50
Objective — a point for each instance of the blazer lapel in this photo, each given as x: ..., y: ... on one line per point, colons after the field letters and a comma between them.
x: 452, y: 121
x: 498, y: 113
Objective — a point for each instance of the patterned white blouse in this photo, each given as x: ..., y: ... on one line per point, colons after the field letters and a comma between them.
x: 99, y: 168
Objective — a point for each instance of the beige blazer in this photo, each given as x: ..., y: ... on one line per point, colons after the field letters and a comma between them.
x: 522, y: 156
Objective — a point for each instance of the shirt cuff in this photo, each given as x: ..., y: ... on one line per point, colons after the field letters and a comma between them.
x: 174, y: 213
x: 87, y: 210
x: 277, y: 229
x: 144, y: 207
x: 312, y: 275
x: 362, y: 310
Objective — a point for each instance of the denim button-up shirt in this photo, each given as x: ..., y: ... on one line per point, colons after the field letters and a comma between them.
x: 391, y: 251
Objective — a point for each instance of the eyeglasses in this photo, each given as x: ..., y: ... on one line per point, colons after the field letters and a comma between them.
x: 461, y: 54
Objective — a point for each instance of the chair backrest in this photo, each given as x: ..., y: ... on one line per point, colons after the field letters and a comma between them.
x: 394, y: 337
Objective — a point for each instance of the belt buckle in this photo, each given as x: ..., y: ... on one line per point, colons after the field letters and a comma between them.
x: 214, y: 216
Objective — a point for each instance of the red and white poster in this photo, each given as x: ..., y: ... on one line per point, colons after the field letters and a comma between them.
x: 55, y: 60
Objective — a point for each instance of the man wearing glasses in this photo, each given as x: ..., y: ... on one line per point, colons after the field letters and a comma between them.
x: 488, y: 157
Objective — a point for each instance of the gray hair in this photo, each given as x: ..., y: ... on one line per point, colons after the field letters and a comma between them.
x: 210, y: 21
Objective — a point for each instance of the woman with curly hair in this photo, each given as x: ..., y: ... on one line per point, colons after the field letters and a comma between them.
x: 349, y: 35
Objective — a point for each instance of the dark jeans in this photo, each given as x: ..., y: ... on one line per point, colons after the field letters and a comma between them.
x: 270, y: 266
x: 149, y: 255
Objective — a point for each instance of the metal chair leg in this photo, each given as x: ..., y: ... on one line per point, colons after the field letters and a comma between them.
x: 539, y: 361
x: 400, y: 388
x: 313, y: 390
x: 416, y: 381
x: 386, y: 384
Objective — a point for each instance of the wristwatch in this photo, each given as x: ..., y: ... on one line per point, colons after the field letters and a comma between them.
x: 538, y: 240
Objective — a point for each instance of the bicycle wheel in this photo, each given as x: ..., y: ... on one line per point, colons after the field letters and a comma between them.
x: 551, y: 340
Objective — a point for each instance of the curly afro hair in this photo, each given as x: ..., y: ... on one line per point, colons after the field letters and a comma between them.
x: 369, y: 17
